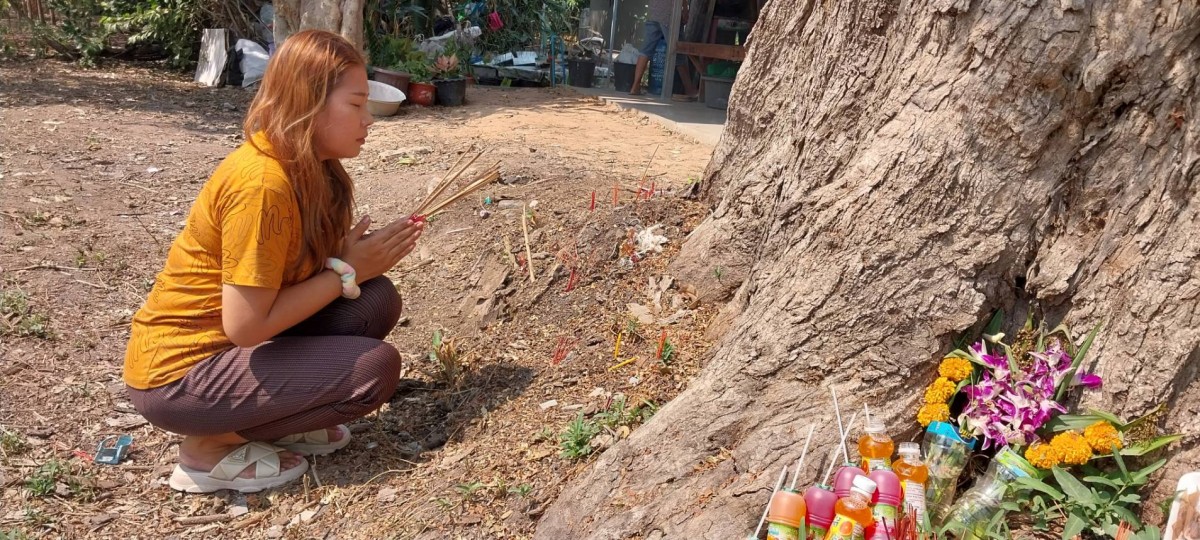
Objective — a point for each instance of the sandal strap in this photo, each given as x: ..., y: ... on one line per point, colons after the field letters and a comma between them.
x: 263, y: 456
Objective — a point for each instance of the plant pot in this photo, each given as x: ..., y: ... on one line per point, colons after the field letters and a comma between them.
x: 396, y: 79
x: 422, y: 93
x: 581, y: 72
x: 623, y: 76
x: 451, y: 92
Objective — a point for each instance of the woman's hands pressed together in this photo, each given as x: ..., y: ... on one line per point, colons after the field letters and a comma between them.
x: 372, y: 254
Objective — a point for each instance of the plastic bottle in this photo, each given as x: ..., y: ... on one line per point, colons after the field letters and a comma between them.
x: 946, y: 454
x: 978, y: 506
x: 884, y: 504
x: 913, y: 475
x: 875, y: 447
x: 853, y: 513
x: 785, y: 516
x: 844, y: 480
x: 819, y: 501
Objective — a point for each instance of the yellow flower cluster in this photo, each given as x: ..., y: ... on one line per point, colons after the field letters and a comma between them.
x: 955, y: 369
x: 1043, y: 456
x: 940, y: 391
x: 1102, y: 437
x: 1073, y: 446
x: 933, y: 412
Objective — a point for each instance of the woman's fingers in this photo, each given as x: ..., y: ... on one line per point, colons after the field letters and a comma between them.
x: 359, y: 229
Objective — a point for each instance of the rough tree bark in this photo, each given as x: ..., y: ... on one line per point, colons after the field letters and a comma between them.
x: 891, y: 173
x: 342, y: 16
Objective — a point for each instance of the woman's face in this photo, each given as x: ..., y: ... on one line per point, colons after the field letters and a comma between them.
x: 341, y: 126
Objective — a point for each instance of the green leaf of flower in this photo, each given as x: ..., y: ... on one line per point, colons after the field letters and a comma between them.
x: 1074, y: 488
x: 1074, y: 526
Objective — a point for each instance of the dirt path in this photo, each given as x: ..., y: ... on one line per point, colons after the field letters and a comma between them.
x: 97, y: 172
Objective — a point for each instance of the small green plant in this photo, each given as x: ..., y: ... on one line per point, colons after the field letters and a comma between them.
x: 522, y: 490
x: 668, y: 352
x: 468, y: 490
x: 18, y: 319
x: 43, y: 480
x: 12, y: 444
x: 13, y: 534
x: 576, y: 440
x: 718, y: 272
x: 36, y: 519
x: 619, y: 413
x: 1098, y: 502
x: 451, y: 369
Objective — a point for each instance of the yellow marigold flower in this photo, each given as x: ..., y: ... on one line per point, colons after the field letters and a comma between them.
x: 955, y: 369
x: 940, y: 391
x: 1043, y: 456
x: 1102, y: 437
x: 1074, y: 448
x: 933, y: 412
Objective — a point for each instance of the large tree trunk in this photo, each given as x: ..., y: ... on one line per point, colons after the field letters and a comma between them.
x: 891, y: 173
x: 344, y: 17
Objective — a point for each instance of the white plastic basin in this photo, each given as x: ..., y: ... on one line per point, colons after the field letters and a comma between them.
x: 383, y: 99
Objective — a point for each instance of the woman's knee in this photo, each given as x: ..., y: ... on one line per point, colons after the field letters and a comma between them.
x: 385, y: 305
x: 382, y: 366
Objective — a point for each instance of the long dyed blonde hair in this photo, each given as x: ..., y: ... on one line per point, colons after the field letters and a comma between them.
x: 294, y: 88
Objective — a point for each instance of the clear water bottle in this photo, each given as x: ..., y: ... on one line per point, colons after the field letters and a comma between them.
x: 946, y: 454
x: 971, y: 514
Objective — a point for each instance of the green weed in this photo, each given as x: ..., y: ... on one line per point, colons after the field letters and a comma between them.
x: 576, y: 440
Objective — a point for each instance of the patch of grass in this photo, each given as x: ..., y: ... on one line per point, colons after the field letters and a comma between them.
x: 43, y: 480
x: 18, y: 319
x: 468, y: 490
x: 36, y: 519
x: 619, y: 413
x: 13, y: 534
x: 12, y: 444
x: 576, y: 440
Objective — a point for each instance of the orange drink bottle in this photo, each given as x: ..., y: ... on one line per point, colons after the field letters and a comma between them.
x: 913, y: 475
x: 853, y: 513
x: 875, y: 447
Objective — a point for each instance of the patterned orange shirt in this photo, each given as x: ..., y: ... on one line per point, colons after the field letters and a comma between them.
x: 243, y: 229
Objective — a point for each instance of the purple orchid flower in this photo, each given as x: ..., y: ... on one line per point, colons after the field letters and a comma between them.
x: 1087, y: 380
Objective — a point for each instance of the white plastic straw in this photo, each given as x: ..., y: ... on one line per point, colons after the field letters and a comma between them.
x: 800, y: 462
x: 833, y: 459
x: 763, y: 519
x: 866, y: 415
x: 841, y: 431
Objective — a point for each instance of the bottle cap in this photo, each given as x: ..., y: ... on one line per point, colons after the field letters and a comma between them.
x: 910, y: 449
x: 864, y: 486
x: 875, y: 426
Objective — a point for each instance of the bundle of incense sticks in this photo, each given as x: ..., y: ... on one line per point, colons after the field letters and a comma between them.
x: 428, y: 208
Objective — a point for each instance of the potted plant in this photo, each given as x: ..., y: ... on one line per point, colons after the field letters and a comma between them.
x: 420, y: 90
x: 388, y: 59
x: 581, y: 64
x: 448, y: 77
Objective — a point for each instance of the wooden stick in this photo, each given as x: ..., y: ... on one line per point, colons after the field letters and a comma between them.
x: 429, y: 196
x: 647, y: 169
x: 525, y: 231
x: 203, y: 520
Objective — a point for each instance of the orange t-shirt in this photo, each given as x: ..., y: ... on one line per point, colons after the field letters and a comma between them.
x: 243, y: 229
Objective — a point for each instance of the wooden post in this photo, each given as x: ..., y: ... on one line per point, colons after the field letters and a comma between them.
x: 672, y: 40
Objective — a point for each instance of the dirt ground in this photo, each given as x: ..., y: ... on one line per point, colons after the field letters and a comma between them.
x: 98, y: 169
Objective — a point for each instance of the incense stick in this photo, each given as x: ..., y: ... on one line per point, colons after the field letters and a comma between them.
x: 446, y: 182
x: 778, y: 484
x: 488, y: 176
x: 800, y: 462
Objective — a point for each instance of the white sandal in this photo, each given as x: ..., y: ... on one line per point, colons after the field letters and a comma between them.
x: 316, y: 442
x: 267, y: 472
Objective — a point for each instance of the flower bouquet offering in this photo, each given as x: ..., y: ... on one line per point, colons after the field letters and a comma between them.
x: 1011, y: 400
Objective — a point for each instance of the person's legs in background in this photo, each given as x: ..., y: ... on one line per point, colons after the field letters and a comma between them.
x: 654, y: 35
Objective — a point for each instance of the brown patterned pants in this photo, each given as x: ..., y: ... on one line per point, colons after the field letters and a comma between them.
x: 331, y: 368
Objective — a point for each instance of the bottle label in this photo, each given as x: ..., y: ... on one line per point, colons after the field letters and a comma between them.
x: 875, y: 464
x: 885, y: 522
x: 844, y: 528
x: 779, y: 531
x: 816, y: 532
x: 914, y: 498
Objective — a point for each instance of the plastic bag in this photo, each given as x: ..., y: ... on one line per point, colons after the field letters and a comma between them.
x: 493, y: 21
x: 629, y: 54
x: 253, y: 62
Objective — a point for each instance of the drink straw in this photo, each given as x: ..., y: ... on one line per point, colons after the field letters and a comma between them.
x: 778, y: 484
x: 841, y: 431
x: 866, y: 415
x: 829, y: 471
x: 803, y: 453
